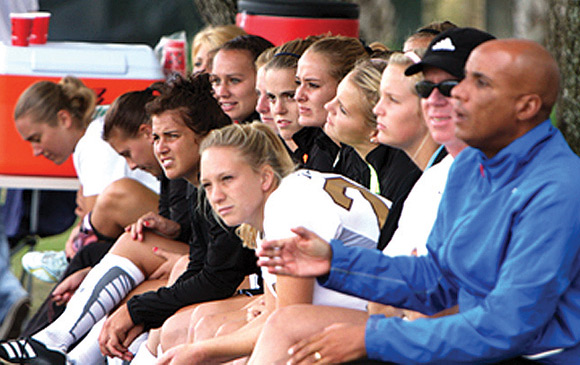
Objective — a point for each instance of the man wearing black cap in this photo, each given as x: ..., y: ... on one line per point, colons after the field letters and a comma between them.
x: 506, y: 244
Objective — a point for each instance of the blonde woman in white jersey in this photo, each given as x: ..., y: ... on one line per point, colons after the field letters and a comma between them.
x: 247, y: 176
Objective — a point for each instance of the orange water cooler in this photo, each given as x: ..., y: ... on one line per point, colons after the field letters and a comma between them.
x: 109, y: 69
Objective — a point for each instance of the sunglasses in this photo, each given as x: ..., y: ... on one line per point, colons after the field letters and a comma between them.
x: 425, y: 88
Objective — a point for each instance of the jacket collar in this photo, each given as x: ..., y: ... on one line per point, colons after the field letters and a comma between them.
x: 507, y: 163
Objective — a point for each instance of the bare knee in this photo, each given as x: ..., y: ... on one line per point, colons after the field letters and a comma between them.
x: 205, y: 328
x: 178, y: 269
x: 173, y: 333
x: 153, y: 341
x: 120, y: 204
x: 229, y: 327
x: 282, y: 316
x: 201, y: 311
x: 113, y: 196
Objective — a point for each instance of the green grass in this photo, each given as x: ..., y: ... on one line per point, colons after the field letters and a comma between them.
x: 40, y: 289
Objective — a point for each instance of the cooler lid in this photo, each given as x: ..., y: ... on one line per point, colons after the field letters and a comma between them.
x: 97, y: 60
x: 300, y: 8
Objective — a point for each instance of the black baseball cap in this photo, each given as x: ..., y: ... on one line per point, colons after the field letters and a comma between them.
x: 449, y: 50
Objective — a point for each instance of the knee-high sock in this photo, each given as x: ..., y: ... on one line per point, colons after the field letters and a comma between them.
x: 104, y: 287
x: 87, y: 352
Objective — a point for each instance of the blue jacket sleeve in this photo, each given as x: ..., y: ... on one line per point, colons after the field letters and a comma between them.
x: 409, y: 282
x: 529, y: 310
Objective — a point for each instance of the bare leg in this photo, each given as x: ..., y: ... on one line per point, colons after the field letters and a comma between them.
x: 174, y: 329
x: 154, y: 340
x: 155, y: 335
x: 208, y: 317
x: 178, y: 269
x: 141, y: 252
x: 121, y: 204
x: 230, y: 327
x: 289, y: 325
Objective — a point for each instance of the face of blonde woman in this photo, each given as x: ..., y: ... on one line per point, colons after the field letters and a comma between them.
x: 399, y: 120
x: 55, y: 143
x: 176, y: 146
x: 316, y: 87
x: 201, y: 60
x: 235, y: 191
x: 346, y: 121
x: 281, y: 86
x: 263, y: 105
x: 234, y: 82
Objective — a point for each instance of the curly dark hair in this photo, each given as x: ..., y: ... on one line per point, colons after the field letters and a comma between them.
x: 192, y: 98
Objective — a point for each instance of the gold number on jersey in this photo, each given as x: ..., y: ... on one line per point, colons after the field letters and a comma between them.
x: 336, y: 188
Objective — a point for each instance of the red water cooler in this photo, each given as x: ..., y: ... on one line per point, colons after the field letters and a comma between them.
x: 280, y: 21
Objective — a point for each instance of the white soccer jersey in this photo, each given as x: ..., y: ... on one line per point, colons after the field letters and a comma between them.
x: 332, y: 206
x: 98, y: 165
x: 419, y: 212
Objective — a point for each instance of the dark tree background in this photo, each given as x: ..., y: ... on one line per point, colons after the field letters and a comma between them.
x: 217, y: 12
x: 563, y: 40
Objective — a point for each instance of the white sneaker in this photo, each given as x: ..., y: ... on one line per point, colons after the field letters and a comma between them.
x: 46, y: 266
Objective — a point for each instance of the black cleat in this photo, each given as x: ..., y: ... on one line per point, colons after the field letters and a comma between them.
x: 29, y: 351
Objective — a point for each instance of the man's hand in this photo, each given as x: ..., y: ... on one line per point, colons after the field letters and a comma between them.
x: 304, y: 255
x: 155, y: 222
x: 64, y: 291
x: 338, y: 343
x: 117, y: 334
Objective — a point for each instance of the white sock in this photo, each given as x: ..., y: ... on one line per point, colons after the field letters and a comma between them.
x: 104, y: 287
x: 88, y: 351
x: 143, y: 355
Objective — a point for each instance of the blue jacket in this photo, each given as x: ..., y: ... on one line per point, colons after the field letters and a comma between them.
x: 505, y: 248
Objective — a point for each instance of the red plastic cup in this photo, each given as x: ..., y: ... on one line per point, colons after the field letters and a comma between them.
x: 21, y: 26
x: 39, y: 32
x: 173, y: 57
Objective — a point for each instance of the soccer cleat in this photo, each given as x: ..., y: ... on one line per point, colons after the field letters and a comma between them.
x: 47, y: 266
x: 29, y: 351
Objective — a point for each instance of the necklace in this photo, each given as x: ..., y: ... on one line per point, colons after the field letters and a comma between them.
x: 420, y: 147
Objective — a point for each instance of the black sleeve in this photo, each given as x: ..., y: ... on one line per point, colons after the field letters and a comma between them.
x: 174, y: 205
x: 351, y: 165
x: 218, y: 265
x: 316, y: 149
x: 163, y: 207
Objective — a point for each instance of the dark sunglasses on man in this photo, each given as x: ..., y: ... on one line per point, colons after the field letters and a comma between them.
x: 425, y: 88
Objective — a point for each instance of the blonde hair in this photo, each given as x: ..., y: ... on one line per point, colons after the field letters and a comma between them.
x: 214, y: 36
x: 44, y: 99
x: 404, y: 60
x: 259, y: 146
x: 366, y: 76
x: 265, y: 57
x: 341, y: 52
